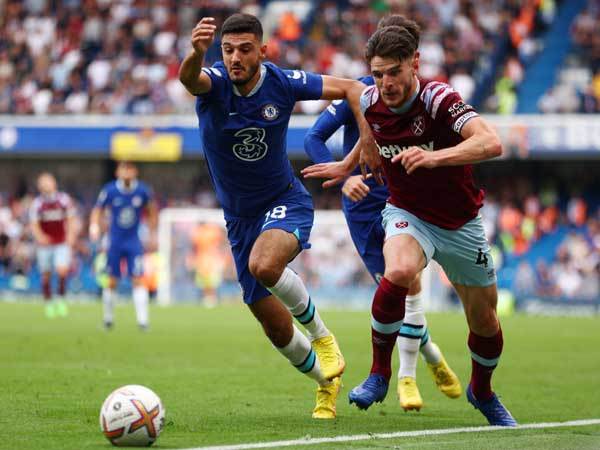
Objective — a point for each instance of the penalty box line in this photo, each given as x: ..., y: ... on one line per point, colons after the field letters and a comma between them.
x: 398, y: 434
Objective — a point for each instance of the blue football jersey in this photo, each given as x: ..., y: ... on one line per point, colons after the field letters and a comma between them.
x: 339, y: 114
x: 126, y: 206
x: 244, y: 137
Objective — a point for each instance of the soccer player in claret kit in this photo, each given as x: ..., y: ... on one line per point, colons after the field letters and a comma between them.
x: 244, y: 106
x: 427, y: 140
x: 127, y: 199
x: 363, y: 201
x: 54, y: 227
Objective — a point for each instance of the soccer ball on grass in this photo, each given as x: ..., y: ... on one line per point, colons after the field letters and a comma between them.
x: 132, y: 416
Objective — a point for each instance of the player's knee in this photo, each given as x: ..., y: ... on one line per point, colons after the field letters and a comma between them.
x: 483, y: 321
x: 401, y: 275
x: 415, y: 286
x: 265, y: 272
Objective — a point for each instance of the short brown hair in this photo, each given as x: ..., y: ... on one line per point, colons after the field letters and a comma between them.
x: 400, y: 21
x: 391, y: 42
x: 242, y: 23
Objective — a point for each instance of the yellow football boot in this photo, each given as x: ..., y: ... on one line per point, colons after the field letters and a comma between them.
x: 408, y: 394
x: 445, y: 379
x: 326, y: 399
x: 330, y: 357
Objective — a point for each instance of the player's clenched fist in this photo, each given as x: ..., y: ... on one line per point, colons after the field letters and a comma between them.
x: 203, y: 35
x: 415, y: 157
x: 355, y: 188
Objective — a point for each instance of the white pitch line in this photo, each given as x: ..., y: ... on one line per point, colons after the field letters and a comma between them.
x: 399, y: 434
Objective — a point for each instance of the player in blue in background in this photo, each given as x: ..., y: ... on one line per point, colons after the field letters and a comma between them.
x: 244, y: 106
x: 362, y: 203
x: 127, y: 199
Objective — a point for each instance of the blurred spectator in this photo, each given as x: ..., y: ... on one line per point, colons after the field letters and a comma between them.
x: 75, y: 56
x: 577, y: 88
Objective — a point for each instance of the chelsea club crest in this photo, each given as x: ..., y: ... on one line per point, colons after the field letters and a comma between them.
x: 270, y: 112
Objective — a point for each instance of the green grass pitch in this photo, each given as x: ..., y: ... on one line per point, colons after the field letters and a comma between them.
x: 222, y: 383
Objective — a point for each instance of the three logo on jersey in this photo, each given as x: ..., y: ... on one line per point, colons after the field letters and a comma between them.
x: 253, y: 146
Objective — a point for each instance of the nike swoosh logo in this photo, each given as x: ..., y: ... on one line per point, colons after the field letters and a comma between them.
x: 233, y: 114
x: 268, y: 222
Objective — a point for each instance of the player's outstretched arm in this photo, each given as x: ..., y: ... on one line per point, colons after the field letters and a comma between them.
x: 352, y: 91
x: 190, y: 71
x: 481, y: 143
x: 315, y: 140
x: 335, y: 172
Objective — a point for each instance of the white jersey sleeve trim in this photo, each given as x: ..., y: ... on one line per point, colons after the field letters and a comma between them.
x: 433, y: 95
x: 368, y: 97
x: 439, y: 99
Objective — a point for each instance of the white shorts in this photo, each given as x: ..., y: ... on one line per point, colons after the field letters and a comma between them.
x: 56, y: 256
x: 464, y: 254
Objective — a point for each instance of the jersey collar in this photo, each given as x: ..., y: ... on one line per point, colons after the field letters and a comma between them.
x: 263, y: 74
x: 406, y: 106
x: 122, y: 188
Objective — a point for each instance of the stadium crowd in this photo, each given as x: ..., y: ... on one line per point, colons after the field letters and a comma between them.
x: 98, y: 56
x: 101, y: 56
x: 577, y: 89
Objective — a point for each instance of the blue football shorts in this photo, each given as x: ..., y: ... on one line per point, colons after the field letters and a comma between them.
x: 292, y: 211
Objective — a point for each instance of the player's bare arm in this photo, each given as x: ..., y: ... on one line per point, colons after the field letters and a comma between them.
x: 190, y: 71
x: 370, y: 160
x: 95, y: 218
x: 352, y: 91
x: 72, y: 224
x: 481, y: 143
x: 40, y: 237
x: 334, y: 172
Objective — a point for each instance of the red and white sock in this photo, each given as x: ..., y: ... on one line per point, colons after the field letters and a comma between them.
x: 387, y: 312
x: 485, y: 354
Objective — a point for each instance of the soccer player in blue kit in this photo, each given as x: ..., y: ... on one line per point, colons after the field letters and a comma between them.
x: 362, y: 203
x: 127, y: 198
x: 244, y: 106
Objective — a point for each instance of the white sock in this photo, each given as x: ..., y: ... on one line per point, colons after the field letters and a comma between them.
x: 300, y: 353
x: 140, y: 299
x: 291, y: 291
x: 107, y: 303
x: 409, y: 338
x: 430, y: 351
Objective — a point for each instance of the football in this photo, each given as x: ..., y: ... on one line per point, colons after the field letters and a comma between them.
x: 132, y: 416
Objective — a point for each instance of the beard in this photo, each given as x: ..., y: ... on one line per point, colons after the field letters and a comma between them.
x: 242, y: 81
